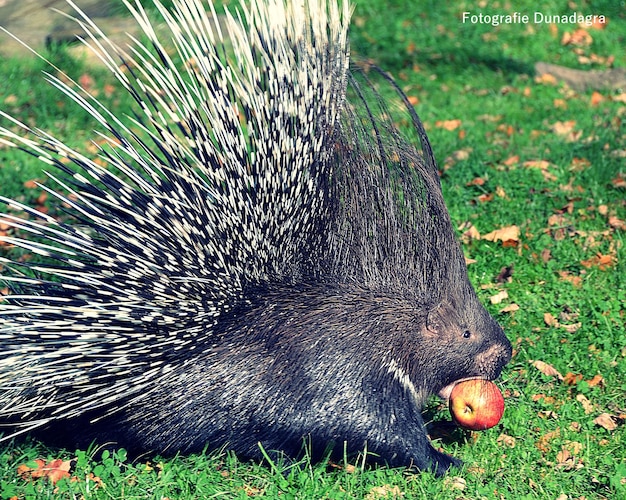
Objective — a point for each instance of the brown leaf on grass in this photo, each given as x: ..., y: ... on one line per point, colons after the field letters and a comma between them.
x: 506, y: 440
x: 566, y: 130
x: 577, y: 281
x: 606, y: 421
x: 564, y: 458
x: 455, y: 483
x: 548, y: 414
x: 574, y: 447
x: 503, y: 234
x: 10, y: 99
x: 476, y: 181
x: 597, y: 380
x: 557, y: 220
x: 546, y: 78
x: 572, y: 378
x: 563, y: 128
x: 567, y: 457
x: 602, y: 262
x: 456, y: 156
x: 542, y: 397
x: 616, y: 223
x: 448, y: 124
x: 53, y: 470
x: 580, y: 38
x: 543, y: 443
x: 546, y: 369
x: 542, y: 165
x: 579, y: 164
x: 511, y: 160
x: 586, y: 404
x: 550, y: 320
x: 596, y: 99
x: 498, y: 297
x: 618, y: 153
x: 510, y: 308
x: 469, y: 232
x: 573, y: 328
x: 384, y: 491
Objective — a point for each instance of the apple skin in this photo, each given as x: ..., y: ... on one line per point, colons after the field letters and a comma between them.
x: 476, y: 404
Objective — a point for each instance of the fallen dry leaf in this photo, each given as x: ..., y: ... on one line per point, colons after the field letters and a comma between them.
x: 574, y: 447
x: 580, y: 37
x: 503, y: 234
x: 601, y: 261
x: 542, y: 164
x: 579, y: 164
x: 606, y: 421
x: 573, y: 328
x: 477, y: 181
x: 568, y: 276
x: 563, y: 128
x: 511, y: 160
x: 448, y: 124
x: 572, y: 378
x: 597, y: 380
x: 53, y: 470
x: 385, y: 491
x: 596, y: 99
x: 619, y: 181
x: 542, y: 397
x: 510, y: 308
x: 546, y: 369
x: 563, y: 457
x: 547, y: 79
x: 543, y: 443
x: 550, y: 320
x: 456, y: 483
x: 498, y: 297
x: 469, y: 232
x: 506, y: 440
x: 616, y: 223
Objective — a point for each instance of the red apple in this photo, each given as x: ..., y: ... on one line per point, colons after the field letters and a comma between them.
x: 476, y: 404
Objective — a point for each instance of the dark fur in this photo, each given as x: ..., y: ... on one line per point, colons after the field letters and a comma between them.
x: 319, y: 361
x: 344, y: 340
x: 313, y: 362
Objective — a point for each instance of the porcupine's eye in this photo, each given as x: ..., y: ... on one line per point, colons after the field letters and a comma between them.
x: 467, y: 334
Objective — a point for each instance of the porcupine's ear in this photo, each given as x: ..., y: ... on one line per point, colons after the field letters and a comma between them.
x: 394, y: 225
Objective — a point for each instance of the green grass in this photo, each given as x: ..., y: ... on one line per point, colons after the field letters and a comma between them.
x: 547, y: 445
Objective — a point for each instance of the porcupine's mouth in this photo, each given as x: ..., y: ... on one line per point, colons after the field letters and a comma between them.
x: 447, y: 390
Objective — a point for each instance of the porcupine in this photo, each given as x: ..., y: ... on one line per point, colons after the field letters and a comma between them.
x: 258, y: 256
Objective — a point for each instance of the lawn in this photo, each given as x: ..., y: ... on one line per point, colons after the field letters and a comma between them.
x: 534, y: 176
